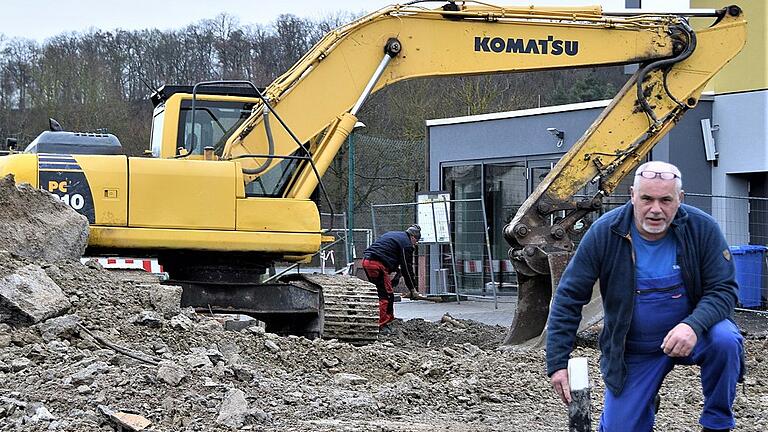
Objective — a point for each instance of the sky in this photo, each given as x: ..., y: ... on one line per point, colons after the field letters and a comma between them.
x: 41, y: 19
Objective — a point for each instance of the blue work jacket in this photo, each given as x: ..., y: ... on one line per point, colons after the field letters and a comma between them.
x: 606, y: 253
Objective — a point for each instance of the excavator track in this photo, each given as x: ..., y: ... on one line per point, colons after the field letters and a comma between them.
x: 350, y: 308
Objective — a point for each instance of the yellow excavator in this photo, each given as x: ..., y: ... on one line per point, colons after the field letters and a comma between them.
x: 225, y: 189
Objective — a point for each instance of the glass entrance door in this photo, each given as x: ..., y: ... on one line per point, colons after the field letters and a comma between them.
x: 507, y: 186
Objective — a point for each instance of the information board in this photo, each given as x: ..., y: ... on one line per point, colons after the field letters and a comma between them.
x: 433, y: 212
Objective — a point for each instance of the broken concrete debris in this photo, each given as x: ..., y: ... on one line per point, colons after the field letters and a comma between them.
x: 125, y: 420
x: 34, y: 224
x: 234, y: 409
x: 28, y: 296
x: 165, y: 299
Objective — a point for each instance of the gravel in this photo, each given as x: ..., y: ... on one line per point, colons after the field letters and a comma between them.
x: 199, y: 376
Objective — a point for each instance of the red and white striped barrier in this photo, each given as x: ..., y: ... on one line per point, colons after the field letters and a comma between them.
x: 476, y: 266
x: 149, y: 265
x: 473, y: 266
x: 506, y: 266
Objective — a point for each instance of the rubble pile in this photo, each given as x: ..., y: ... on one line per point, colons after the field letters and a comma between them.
x: 116, y: 352
x: 36, y: 224
x: 124, y: 347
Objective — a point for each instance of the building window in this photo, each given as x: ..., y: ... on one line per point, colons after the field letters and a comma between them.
x: 464, y: 182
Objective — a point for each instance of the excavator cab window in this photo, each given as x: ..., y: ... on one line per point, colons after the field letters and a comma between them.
x: 273, y: 182
x: 215, y: 121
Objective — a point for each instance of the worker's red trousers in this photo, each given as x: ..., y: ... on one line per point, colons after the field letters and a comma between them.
x: 379, y: 275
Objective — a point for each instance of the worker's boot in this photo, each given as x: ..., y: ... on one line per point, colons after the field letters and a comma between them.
x: 415, y: 295
x: 706, y: 429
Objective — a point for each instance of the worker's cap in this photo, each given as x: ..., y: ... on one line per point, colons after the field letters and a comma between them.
x: 414, y: 231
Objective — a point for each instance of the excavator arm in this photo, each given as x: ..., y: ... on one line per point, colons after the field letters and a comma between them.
x: 647, y: 107
x: 311, y: 109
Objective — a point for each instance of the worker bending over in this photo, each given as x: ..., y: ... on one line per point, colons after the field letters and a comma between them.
x: 668, y: 288
x: 392, y: 252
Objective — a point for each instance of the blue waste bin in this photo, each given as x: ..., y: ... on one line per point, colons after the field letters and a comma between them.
x: 749, y: 273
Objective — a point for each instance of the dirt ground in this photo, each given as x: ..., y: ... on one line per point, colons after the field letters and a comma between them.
x: 196, y: 376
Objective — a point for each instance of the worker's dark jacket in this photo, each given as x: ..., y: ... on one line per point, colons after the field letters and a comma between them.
x: 395, y: 250
x: 606, y: 253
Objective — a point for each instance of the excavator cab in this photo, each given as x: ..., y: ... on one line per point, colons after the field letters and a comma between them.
x: 218, y: 112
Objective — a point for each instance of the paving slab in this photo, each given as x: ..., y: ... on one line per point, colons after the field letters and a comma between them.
x: 478, y: 310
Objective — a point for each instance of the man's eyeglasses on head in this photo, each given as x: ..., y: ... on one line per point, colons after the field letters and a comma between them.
x: 662, y: 175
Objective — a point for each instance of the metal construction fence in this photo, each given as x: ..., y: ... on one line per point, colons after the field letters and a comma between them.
x: 461, y: 265
x: 338, y: 255
x: 453, y: 262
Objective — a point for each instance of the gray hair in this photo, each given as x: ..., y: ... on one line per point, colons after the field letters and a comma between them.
x: 659, y: 166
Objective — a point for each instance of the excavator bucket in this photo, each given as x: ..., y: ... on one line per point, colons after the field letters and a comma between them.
x: 534, y: 294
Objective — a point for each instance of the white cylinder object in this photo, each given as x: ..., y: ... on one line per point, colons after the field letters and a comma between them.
x: 578, y: 373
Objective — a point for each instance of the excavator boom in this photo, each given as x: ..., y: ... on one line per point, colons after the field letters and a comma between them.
x: 343, y: 68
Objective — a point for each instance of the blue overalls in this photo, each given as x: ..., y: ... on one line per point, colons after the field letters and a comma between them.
x: 660, y: 304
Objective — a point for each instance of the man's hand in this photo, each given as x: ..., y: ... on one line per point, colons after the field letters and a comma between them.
x: 415, y: 295
x: 560, y: 383
x: 680, y: 341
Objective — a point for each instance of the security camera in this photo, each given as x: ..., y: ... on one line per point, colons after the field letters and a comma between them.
x: 557, y: 133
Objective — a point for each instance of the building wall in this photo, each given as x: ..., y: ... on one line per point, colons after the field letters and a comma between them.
x: 505, y: 135
x: 742, y: 137
x: 749, y: 70
x: 742, y: 143
x: 524, y: 134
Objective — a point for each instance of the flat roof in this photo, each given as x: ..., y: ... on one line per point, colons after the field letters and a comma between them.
x: 519, y: 113
x: 705, y: 96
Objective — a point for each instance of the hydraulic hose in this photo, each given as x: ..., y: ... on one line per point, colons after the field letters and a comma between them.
x: 689, y: 48
x: 270, y: 142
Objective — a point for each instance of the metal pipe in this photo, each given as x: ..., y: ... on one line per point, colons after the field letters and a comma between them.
x: 751, y: 310
x: 453, y: 253
x: 295, y: 265
x: 684, y: 12
x: 490, y: 258
x: 437, y: 241
x: 373, y: 221
x: 689, y: 48
x: 351, y: 197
